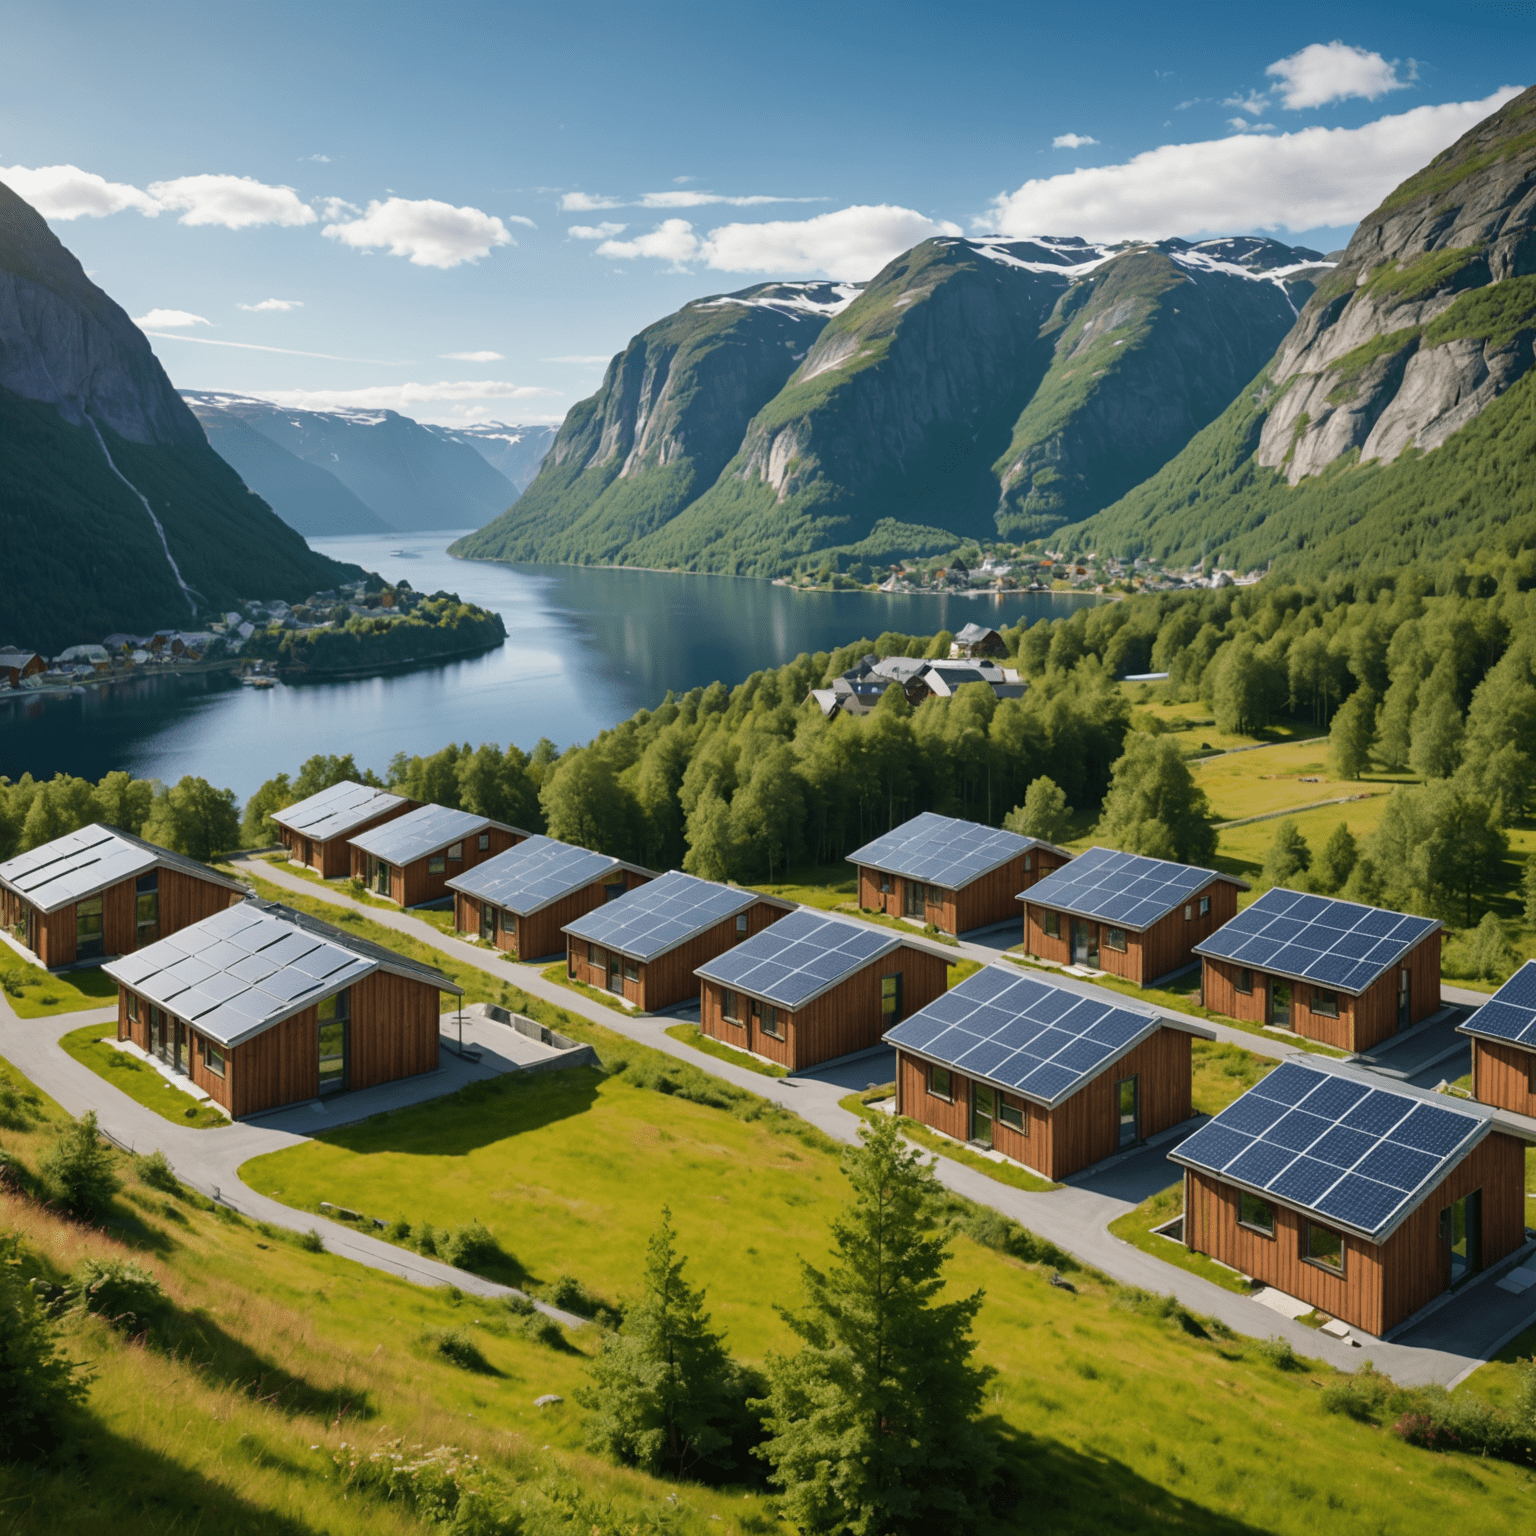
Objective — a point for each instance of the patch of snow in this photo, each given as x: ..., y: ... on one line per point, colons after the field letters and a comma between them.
x: 826, y: 299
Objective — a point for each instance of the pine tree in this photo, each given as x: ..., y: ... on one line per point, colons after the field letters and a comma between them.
x: 872, y: 1425
x: 39, y: 1388
x: 80, y: 1168
x: 664, y: 1393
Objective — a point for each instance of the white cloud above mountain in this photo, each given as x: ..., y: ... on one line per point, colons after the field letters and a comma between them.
x: 1307, y: 179
x: 66, y: 192
x: 429, y: 233
x: 168, y: 320
x: 473, y: 357
x: 1324, y: 72
x: 231, y: 202
x: 280, y: 305
x: 405, y: 398
x: 604, y: 231
x: 852, y: 243
x: 1072, y: 141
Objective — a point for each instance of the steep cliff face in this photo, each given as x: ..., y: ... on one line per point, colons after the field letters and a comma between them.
x: 115, y: 514
x: 1424, y: 329
x: 670, y: 413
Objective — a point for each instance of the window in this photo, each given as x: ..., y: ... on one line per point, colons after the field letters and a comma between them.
x: 1013, y: 1115
x: 133, y: 1010
x: 912, y: 898
x: 88, y: 928
x: 456, y: 852
x: 435, y: 865
x: 1051, y: 921
x: 1325, y: 1003
x: 147, y: 908
x: 1114, y: 938
x: 741, y: 922
x: 631, y: 971
x: 1533, y: 1074
x: 1029, y: 862
x: 488, y: 922
x: 1242, y: 981
x: 334, y: 1012
x: 1189, y: 912
x: 935, y: 895
x: 771, y: 1022
x: 1325, y: 1247
x: 730, y: 1007
x: 213, y: 1058
x: 614, y: 891
x: 885, y: 885
x: 595, y: 956
x: 890, y: 1000
x: 1205, y: 905
x: 337, y: 1006
x: 484, y: 842
x: 939, y: 1084
x: 1256, y: 1214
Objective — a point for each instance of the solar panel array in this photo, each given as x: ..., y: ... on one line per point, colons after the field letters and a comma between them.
x: 660, y: 915
x: 1360, y: 1155
x: 419, y: 832
x: 73, y: 866
x: 1023, y: 1033
x: 1128, y: 889
x: 941, y: 850
x: 235, y: 973
x: 533, y: 874
x: 337, y: 810
x: 1338, y: 943
x: 799, y: 957
x: 1510, y: 1014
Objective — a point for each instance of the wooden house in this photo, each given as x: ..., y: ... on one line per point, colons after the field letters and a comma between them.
x: 646, y: 946
x: 100, y: 892
x: 411, y: 858
x: 520, y: 900
x: 957, y: 875
x: 315, y: 830
x: 811, y: 988
x: 1353, y: 1192
x: 1126, y: 914
x: 261, y: 1007
x: 17, y: 665
x: 978, y: 640
x: 1335, y: 971
x: 1503, y: 1033
x: 1051, y: 1077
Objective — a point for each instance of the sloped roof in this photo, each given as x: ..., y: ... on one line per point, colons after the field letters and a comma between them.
x: 336, y: 811
x: 1127, y: 889
x: 535, y: 874
x: 427, y: 829
x: 658, y: 916
x: 944, y: 850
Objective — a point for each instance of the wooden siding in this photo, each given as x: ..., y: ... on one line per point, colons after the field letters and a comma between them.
x: 841, y: 1021
x: 1078, y: 1132
x: 281, y: 1065
x: 331, y: 857
x: 983, y: 903
x: 538, y: 935
x: 413, y: 884
x: 669, y: 979
x: 1362, y: 1021
x: 1502, y: 1076
x: 1381, y: 1284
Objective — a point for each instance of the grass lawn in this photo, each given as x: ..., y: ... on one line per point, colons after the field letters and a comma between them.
x: 816, y: 885
x: 1196, y: 727
x: 691, y: 1035
x: 35, y: 994
x: 138, y: 1080
x: 1279, y: 778
x: 1240, y: 850
x: 561, y: 975
x: 1135, y: 1228
x: 1220, y: 1072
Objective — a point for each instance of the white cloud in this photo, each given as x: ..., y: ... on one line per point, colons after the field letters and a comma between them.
x: 1072, y: 141
x: 67, y: 192
x: 233, y: 202
x: 251, y: 346
x: 335, y: 208
x: 521, y: 218
x: 473, y: 357
x: 1253, y: 103
x: 1302, y: 180
x: 318, y: 159
x: 852, y: 243
x: 700, y: 199
x: 168, y: 319
x: 282, y: 305
x: 595, y: 231
x: 583, y: 202
x: 587, y: 360
x: 430, y: 233
x: 1324, y: 72
x: 402, y: 397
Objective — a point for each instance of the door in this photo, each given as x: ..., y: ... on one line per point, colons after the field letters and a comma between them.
x: 309, y: 852
x: 1404, y: 997
x: 1461, y: 1230
x: 487, y: 922
x: 615, y: 974
x: 1085, y: 943
x: 381, y: 873
x: 1128, y: 1110
x: 983, y: 1109
x: 334, y: 1015
x: 1280, y: 1003
x: 179, y: 1044
x: 912, y: 894
x: 89, y: 932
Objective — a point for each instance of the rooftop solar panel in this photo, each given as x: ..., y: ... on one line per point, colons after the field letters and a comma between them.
x: 1024, y: 1033
x: 1123, y: 888
x: 773, y: 964
x: 1357, y: 1153
x: 942, y: 850
x: 419, y: 832
x: 1510, y: 1014
x: 660, y: 915
x: 335, y: 811
x: 1338, y: 944
x: 535, y: 873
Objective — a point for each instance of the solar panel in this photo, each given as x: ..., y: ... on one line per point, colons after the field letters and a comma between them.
x: 660, y: 915
x: 941, y: 850
x: 762, y: 965
x: 1324, y: 1140
x: 1122, y: 888
x: 1510, y: 1014
x: 1024, y: 1033
x: 533, y: 874
x: 419, y: 833
x: 337, y: 810
x: 1338, y: 944
x: 74, y: 866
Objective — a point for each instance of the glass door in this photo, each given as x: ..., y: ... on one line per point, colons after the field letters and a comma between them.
x: 179, y: 1047
x: 1085, y: 943
x: 615, y: 973
x: 1404, y: 997
x: 1280, y: 1002
x: 1461, y: 1228
x: 381, y: 874
x: 983, y: 1109
x: 1128, y: 1109
x: 334, y: 1017
x: 912, y: 895
x: 88, y: 929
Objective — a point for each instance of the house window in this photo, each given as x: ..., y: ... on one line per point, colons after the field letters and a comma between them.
x: 730, y: 1007
x: 147, y: 908
x: 1205, y: 905
x: 484, y: 842
x: 1013, y: 1115
x: 1324, y: 1003
x: 1533, y: 1074
x: 885, y: 885
x: 912, y: 898
x: 614, y: 891
x: 1325, y: 1248
x: 1029, y: 862
x: 1256, y: 1214
x: 456, y: 852
x: 1189, y: 911
x: 487, y: 922
x: 1243, y: 981
x: 741, y: 922
x: 88, y: 928
x: 771, y: 1022
x: 213, y: 1058
x: 1114, y: 938
x: 631, y: 971
x: 435, y: 865
x: 334, y: 1013
x: 935, y: 895
x: 595, y: 956
x: 890, y: 1000
x: 133, y: 1009
x: 1052, y: 923
x: 939, y: 1084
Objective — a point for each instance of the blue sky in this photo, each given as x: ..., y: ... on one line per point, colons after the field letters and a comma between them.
x: 403, y: 181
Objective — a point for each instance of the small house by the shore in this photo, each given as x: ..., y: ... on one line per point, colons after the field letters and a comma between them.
x: 410, y: 859
x: 315, y: 830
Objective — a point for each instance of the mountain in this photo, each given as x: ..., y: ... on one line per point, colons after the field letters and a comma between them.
x: 515, y: 452
x: 974, y: 386
x: 409, y: 476
x: 115, y: 513
x: 1397, y: 418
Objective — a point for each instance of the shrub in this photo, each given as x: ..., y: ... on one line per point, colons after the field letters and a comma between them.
x: 445, y: 1489
x: 1359, y: 1396
x: 570, y: 1295
x: 993, y: 1230
x: 472, y: 1247
x: 120, y: 1291
x: 519, y: 1306
x: 16, y: 1108
x: 543, y: 1329
x: 311, y: 1241
x: 1279, y: 1353
x: 1165, y: 1308
x: 399, y: 1230
x: 426, y: 1240
x: 79, y: 1169
x: 456, y: 1346
x: 38, y: 1386
x: 155, y: 1171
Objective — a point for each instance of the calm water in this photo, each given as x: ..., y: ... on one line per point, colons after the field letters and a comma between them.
x: 585, y: 649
